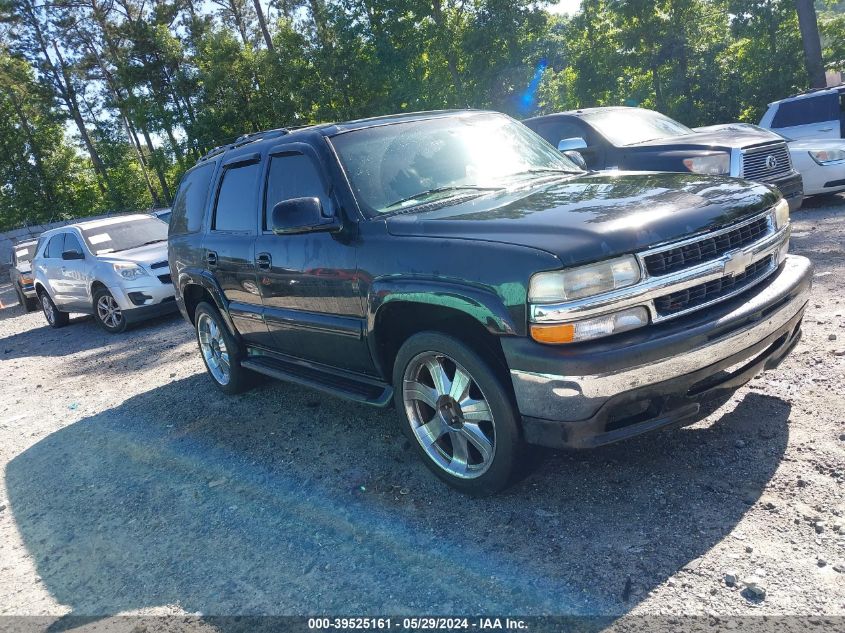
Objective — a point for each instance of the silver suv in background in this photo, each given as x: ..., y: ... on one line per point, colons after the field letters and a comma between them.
x: 114, y: 268
x: 21, y: 274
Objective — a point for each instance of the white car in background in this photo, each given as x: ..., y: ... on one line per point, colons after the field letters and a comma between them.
x: 812, y: 114
x: 114, y: 268
x: 821, y: 162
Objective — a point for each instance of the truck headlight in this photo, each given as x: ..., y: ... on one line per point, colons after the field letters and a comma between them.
x: 584, y: 281
x: 712, y: 165
x: 827, y: 156
x: 781, y: 214
x: 587, y: 329
x: 129, y: 270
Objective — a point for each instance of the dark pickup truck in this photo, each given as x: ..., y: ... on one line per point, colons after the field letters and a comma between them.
x: 460, y: 267
x: 641, y: 139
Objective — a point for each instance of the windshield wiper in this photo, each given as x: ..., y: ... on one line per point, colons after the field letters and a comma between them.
x: 429, y: 192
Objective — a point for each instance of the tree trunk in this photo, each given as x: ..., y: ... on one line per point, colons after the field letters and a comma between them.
x: 73, y: 106
x: 812, y: 42
x: 263, y: 24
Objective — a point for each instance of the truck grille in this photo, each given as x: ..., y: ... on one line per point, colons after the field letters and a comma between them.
x: 706, y: 249
x: 681, y: 300
x: 766, y: 163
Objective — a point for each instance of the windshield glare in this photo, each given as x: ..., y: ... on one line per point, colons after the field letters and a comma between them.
x: 399, y: 165
x: 122, y: 236
x: 634, y: 125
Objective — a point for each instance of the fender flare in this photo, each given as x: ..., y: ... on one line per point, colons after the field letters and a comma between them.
x: 207, y: 282
x: 482, y: 305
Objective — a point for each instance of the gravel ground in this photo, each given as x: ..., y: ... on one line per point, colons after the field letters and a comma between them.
x: 131, y: 485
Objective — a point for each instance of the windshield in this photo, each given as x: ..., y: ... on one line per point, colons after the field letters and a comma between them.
x: 24, y: 252
x: 400, y: 165
x: 628, y: 126
x: 121, y: 236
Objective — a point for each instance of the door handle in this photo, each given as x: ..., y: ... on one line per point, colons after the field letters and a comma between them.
x: 211, y: 258
x: 264, y: 261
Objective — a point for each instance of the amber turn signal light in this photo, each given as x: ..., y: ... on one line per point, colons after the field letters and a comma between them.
x: 556, y: 333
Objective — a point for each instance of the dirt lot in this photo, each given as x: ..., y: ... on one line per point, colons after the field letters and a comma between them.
x: 130, y: 485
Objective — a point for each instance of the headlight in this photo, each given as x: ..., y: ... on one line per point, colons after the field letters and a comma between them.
x: 26, y: 281
x: 713, y: 165
x: 129, y: 271
x: 588, y: 329
x: 781, y: 214
x: 825, y: 156
x: 584, y: 281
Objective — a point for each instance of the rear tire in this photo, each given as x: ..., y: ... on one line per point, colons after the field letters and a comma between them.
x: 55, y: 317
x: 458, y: 414
x: 107, y: 313
x: 220, y: 352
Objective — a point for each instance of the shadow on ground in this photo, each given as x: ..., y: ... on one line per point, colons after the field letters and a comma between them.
x: 284, y: 501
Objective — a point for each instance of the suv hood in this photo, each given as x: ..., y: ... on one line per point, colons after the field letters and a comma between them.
x: 594, y: 216
x: 143, y: 255
x: 716, y: 139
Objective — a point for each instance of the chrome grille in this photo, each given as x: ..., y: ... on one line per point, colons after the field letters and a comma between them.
x: 706, y: 249
x: 757, y: 162
x: 715, y: 290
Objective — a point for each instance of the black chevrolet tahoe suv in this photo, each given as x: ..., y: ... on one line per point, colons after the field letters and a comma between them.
x: 641, y: 139
x: 460, y: 267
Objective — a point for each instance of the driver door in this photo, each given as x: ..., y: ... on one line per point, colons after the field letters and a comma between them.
x: 308, y: 281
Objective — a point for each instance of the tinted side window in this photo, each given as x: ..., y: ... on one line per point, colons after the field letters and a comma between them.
x: 55, y: 246
x: 806, y: 111
x: 189, y: 206
x: 235, y: 209
x: 72, y: 243
x: 555, y: 131
x: 293, y: 176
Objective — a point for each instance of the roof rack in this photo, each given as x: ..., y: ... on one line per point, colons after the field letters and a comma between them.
x: 244, y: 139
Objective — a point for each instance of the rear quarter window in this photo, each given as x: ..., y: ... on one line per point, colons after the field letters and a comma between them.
x: 191, y: 198
x: 55, y: 246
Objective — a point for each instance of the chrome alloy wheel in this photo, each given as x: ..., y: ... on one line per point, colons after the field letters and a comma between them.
x: 449, y: 415
x: 213, y: 348
x: 108, y: 311
x: 47, y: 306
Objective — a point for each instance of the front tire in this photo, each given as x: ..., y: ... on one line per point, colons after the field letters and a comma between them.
x: 107, y: 313
x: 221, y: 353
x: 55, y: 317
x: 458, y: 414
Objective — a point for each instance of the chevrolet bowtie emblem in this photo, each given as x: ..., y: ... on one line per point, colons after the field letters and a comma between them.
x: 736, y: 262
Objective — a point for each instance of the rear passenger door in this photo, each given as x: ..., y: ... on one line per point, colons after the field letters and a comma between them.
x: 229, y: 244
x: 308, y: 281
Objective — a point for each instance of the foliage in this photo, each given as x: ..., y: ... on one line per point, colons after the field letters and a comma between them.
x: 105, y: 103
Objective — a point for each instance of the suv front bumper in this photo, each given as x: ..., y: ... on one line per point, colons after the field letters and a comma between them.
x: 792, y: 189
x: 591, y: 394
x: 156, y: 299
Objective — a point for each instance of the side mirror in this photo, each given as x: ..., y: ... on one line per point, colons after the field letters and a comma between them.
x: 576, y: 158
x: 569, y: 144
x: 302, y: 215
x: 73, y: 255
